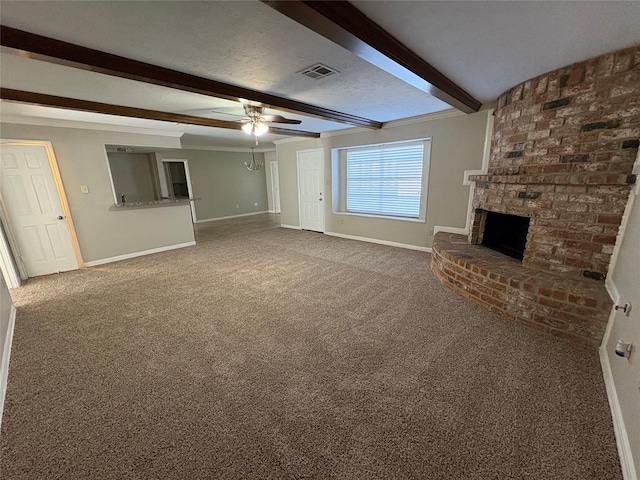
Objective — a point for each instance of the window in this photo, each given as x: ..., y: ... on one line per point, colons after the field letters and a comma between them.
x: 383, y: 180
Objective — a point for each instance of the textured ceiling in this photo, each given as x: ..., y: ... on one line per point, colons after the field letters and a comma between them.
x: 485, y: 47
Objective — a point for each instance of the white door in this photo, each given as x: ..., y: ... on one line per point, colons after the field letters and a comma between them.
x: 311, y: 189
x: 33, y: 208
x: 275, y: 187
x: 624, y: 281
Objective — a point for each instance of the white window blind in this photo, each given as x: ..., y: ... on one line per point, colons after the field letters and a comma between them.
x: 385, y: 180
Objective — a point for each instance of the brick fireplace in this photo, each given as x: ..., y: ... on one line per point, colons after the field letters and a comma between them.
x: 562, y: 153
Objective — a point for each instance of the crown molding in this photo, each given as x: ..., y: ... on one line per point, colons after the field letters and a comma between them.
x: 60, y: 123
x: 214, y: 148
x: 300, y: 139
x: 427, y: 117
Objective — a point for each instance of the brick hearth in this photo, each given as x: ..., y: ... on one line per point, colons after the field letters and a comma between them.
x: 562, y: 154
x: 572, y: 308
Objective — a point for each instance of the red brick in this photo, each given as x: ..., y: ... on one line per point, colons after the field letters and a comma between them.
x: 609, y: 239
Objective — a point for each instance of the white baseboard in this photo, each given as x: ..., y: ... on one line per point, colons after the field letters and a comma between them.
x: 622, y: 440
x: 231, y: 216
x: 4, y: 362
x: 459, y: 231
x: 294, y: 227
x: 137, y: 254
x: 380, y: 242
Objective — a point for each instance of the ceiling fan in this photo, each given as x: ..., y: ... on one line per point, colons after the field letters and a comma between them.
x: 255, y: 122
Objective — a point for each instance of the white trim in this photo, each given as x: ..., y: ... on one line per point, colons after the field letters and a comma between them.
x: 206, y: 220
x: 10, y: 253
x: 322, y: 185
x: 384, y: 217
x: 612, y: 290
x: 275, y: 182
x: 137, y: 254
x: 459, y: 231
x: 339, y: 179
x: 107, y: 127
x: 293, y: 227
x: 622, y: 439
x: 9, y: 271
x: 190, y: 193
x: 635, y: 192
x: 380, y: 242
x: 6, y: 356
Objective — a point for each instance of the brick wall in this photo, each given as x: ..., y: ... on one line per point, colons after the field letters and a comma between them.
x: 562, y: 152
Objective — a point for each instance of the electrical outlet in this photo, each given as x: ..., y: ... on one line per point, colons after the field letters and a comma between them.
x: 431, y: 232
x: 255, y: 204
x: 237, y: 205
x: 84, y: 189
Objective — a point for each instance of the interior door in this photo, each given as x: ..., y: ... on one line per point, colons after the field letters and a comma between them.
x: 34, y: 211
x: 625, y: 327
x: 311, y: 188
x: 275, y: 187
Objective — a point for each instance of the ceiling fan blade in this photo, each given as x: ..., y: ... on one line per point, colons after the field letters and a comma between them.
x: 280, y: 119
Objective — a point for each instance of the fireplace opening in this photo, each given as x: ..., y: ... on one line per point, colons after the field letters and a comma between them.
x: 506, y: 234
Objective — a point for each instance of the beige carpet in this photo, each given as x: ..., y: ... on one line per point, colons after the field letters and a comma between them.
x: 267, y: 353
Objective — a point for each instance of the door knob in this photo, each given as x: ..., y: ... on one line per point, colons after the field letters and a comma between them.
x: 60, y: 217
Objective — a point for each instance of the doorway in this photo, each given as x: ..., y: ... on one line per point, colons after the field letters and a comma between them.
x: 275, y: 187
x: 175, y: 181
x: 37, y: 220
x: 310, y: 189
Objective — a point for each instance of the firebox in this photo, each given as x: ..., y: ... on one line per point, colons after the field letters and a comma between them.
x: 506, y: 234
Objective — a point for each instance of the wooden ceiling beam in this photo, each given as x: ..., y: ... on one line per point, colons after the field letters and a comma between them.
x: 345, y: 25
x: 44, y: 100
x: 63, y: 53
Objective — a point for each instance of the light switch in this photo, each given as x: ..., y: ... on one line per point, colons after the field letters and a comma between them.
x: 84, y: 189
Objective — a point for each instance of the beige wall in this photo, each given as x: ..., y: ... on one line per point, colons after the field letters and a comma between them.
x: 133, y: 174
x: 82, y: 160
x: 221, y: 181
x: 457, y: 144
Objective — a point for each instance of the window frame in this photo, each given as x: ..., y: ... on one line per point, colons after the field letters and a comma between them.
x: 339, y: 179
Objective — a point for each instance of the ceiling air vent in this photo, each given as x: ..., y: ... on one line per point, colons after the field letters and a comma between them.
x: 317, y: 71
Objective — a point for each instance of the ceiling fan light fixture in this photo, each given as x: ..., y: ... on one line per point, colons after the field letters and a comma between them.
x: 255, y: 127
x: 260, y: 129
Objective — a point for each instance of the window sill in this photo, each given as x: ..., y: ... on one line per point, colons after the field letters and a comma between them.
x: 383, y: 217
